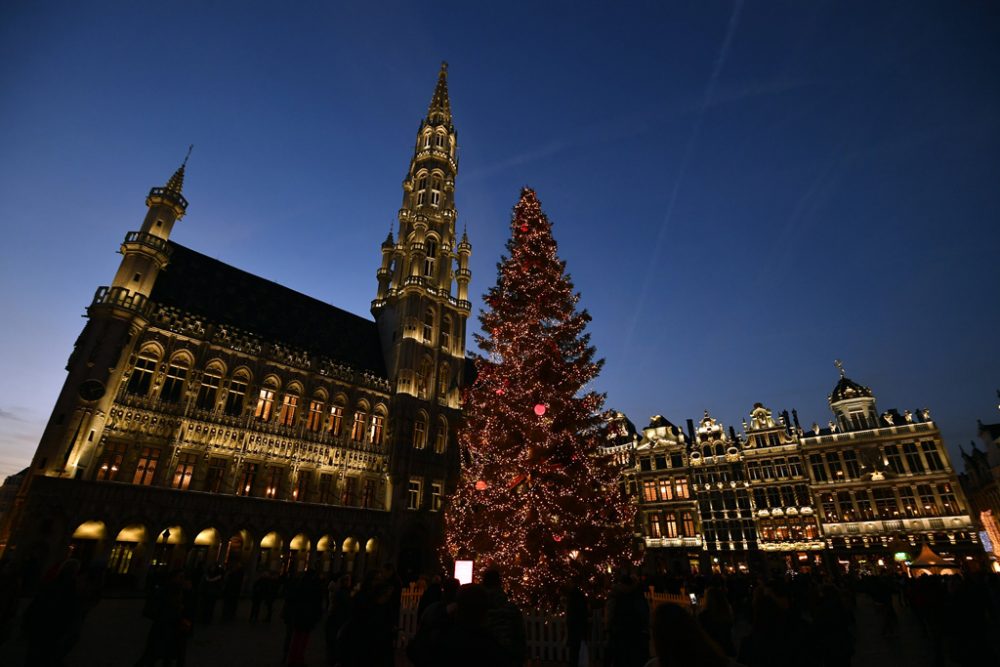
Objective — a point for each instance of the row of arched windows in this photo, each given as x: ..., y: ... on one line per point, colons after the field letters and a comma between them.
x: 428, y: 329
x: 424, y: 375
x: 420, y: 433
x: 437, y: 139
x: 287, y: 408
x: 431, y: 195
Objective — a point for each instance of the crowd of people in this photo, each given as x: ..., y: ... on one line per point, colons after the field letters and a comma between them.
x: 740, y: 620
x: 733, y: 620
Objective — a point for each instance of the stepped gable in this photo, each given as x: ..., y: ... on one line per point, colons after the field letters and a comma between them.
x: 226, y: 295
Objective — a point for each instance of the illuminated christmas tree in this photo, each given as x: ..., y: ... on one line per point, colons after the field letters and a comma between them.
x: 537, y: 499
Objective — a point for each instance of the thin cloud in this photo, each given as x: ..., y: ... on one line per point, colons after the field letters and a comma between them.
x: 720, y: 62
x: 11, y: 415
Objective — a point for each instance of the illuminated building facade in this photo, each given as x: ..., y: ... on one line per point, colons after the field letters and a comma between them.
x: 720, y: 485
x: 884, y: 483
x: 981, y: 482
x: 211, y: 415
x: 667, y: 512
x: 776, y: 497
x: 787, y: 526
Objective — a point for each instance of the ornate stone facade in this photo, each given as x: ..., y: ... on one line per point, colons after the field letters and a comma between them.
x: 853, y: 494
x: 212, y: 415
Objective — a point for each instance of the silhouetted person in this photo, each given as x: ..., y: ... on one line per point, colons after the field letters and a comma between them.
x: 171, y: 610
x: 52, y: 620
x: 577, y: 622
x: 832, y: 622
x: 628, y: 624
x: 302, y: 611
x: 210, y: 592
x: 779, y: 636
x: 339, y: 611
x: 680, y: 641
x: 504, y: 620
x: 367, y: 637
x: 717, y: 619
x: 433, y: 593
x: 231, y: 592
x: 10, y: 597
x: 460, y: 637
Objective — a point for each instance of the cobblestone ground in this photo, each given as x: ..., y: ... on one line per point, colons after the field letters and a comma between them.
x: 115, y: 631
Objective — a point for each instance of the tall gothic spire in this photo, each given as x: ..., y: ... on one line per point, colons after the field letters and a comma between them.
x: 176, y: 182
x: 439, y: 110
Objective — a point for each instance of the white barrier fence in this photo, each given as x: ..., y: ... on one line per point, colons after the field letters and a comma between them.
x: 545, y: 633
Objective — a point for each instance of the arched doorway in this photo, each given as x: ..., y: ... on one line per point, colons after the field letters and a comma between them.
x: 270, y: 553
x: 371, y: 553
x: 350, y: 549
x: 167, y: 551
x: 205, y: 549
x: 126, y: 555
x: 87, y: 541
x: 326, y: 549
x: 299, y: 553
x: 237, y: 548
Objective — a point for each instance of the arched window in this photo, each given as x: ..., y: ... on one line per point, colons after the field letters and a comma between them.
x: 265, y: 400
x: 431, y: 258
x: 440, y: 140
x: 706, y: 450
x: 173, y: 384
x: 377, y: 426
x: 360, y: 421
x: 436, y: 191
x: 427, y: 139
x: 314, y: 420
x: 444, y: 377
x: 290, y: 406
x: 720, y: 450
x: 336, y: 423
x: 420, y: 431
x: 208, y: 392
x: 142, y: 373
x: 236, y: 396
x: 424, y: 378
x: 429, y: 325
x: 446, y: 333
x: 441, y: 437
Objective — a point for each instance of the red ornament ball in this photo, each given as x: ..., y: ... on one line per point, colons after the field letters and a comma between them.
x: 524, y: 227
x: 539, y: 409
x: 480, y: 485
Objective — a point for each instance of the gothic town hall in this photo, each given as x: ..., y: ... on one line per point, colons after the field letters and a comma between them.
x: 212, y: 416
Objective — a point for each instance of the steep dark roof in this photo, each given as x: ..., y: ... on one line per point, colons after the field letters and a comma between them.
x: 226, y: 295
x: 848, y: 388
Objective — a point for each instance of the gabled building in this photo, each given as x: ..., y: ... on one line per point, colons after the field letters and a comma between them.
x: 884, y: 483
x: 212, y: 416
x: 981, y: 482
x: 722, y: 490
x: 667, y: 514
x: 786, y: 522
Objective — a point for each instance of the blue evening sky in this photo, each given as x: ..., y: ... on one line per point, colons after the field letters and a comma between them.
x: 743, y: 191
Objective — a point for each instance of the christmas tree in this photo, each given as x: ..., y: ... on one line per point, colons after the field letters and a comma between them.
x: 537, y: 499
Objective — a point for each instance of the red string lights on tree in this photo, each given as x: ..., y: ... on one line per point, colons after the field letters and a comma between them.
x: 537, y: 499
